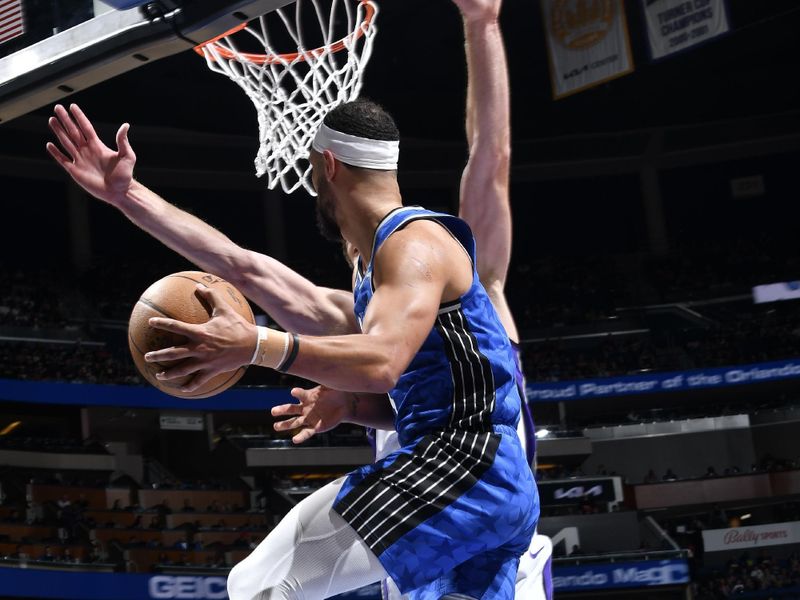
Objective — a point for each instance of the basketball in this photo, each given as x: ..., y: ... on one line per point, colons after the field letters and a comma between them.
x: 175, y: 297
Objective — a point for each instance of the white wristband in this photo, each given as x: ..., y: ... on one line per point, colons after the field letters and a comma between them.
x: 262, y: 336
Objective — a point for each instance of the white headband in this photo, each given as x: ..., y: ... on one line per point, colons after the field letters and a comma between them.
x: 357, y: 151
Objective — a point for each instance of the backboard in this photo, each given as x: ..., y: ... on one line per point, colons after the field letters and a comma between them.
x: 67, y: 46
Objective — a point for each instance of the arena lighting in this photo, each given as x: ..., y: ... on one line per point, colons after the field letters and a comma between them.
x: 745, y: 516
x: 11, y: 427
x: 542, y: 433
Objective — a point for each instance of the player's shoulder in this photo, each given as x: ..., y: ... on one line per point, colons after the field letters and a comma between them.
x: 419, y: 240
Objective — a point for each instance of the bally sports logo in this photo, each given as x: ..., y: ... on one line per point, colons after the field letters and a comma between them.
x: 748, y: 536
x: 775, y: 534
x: 579, y: 24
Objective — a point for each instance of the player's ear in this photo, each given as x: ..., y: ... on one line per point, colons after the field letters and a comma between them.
x: 331, y: 167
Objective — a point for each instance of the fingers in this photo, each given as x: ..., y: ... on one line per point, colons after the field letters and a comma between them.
x: 304, y: 435
x: 213, y: 296
x: 170, y: 354
x: 198, y: 381
x: 85, y: 125
x: 288, y: 424
x: 61, y: 135
x: 186, y: 329
x: 285, y: 410
x: 74, y: 133
x: 300, y: 393
x: 123, y: 145
x: 181, y: 370
x: 59, y: 156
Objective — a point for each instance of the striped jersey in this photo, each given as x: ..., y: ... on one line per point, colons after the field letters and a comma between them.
x: 464, y: 375
x: 455, y: 505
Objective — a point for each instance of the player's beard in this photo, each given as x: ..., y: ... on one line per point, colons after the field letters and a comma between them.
x: 326, y: 214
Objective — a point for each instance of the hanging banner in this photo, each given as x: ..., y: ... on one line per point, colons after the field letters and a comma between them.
x: 587, y: 41
x: 675, y: 25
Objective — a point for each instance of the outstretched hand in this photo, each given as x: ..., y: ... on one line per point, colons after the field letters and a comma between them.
x: 105, y: 173
x: 223, y: 343
x: 475, y: 10
x: 320, y: 410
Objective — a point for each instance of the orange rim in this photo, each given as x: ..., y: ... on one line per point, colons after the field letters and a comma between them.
x: 268, y: 59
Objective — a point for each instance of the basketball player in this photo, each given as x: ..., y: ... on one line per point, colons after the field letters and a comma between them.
x: 448, y: 514
x: 484, y: 205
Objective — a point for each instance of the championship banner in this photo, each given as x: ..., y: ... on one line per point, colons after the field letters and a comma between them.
x: 675, y: 25
x: 587, y: 41
x: 742, y: 538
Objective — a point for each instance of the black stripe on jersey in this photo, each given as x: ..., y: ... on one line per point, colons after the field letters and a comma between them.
x: 390, y: 503
x: 483, y: 417
x: 473, y: 381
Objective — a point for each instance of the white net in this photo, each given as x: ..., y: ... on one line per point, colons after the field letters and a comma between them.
x: 292, y: 92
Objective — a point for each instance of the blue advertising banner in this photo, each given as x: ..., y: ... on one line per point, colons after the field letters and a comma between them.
x: 674, y: 381
x: 87, y: 394
x: 620, y: 575
x: 66, y: 585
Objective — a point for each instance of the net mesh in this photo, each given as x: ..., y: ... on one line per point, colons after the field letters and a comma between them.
x: 292, y: 92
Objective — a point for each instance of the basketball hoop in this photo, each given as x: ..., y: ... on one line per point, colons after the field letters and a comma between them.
x: 293, y: 91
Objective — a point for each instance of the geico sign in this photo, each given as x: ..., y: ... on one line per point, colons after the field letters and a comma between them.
x: 578, y: 492
x: 189, y: 588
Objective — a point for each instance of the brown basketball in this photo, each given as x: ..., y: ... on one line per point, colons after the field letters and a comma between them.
x: 175, y: 297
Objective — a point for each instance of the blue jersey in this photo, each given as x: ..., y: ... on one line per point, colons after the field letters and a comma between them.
x: 464, y: 376
x: 455, y: 506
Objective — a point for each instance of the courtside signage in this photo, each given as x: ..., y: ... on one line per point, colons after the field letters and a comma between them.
x: 742, y: 538
x: 75, y: 585
x: 675, y: 25
x: 664, y: 382
x: 620, y: 575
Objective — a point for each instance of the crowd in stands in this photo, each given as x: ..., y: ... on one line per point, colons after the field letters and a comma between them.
x: 545, y: 294
x: 66, y: 362
x: 193, y: 523
x: 751, y: 577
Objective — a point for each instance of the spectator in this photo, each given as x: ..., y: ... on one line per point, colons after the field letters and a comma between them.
x: 47, y: 555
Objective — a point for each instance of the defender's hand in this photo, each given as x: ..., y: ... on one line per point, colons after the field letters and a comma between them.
x: 479, y: 10
x: 101, y: 171
x: 222, y: 344
x: 320, y: 410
